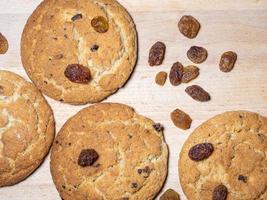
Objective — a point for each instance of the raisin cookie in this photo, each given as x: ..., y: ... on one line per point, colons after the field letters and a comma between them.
x: 108, y: 151
x: 79, y: 51
x: 225, y: 158
x: 26, y: 128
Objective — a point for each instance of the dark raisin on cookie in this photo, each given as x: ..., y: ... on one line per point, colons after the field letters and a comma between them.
x: 87, y: 157
x: 201, y: 151
x: 78, y: 73
x: 158, y: 127
x: 220, y: 193
x: 176, y: 74
x: 242, y: 178
x: 77, y: 17
x: 100, y: 24
x: 145, y: 172
x: 156, y: 54
x: 189, y: 26
x: 94, y: 48
x: 134, y: 185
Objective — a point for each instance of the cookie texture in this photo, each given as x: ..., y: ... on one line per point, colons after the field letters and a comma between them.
x: 108, y: 151
x: 26, y: 128
x: 237, y: 168
x: 97, y: 34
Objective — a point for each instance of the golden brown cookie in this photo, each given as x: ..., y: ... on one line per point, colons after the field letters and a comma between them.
x: 108, y: 151
x: 26, y: 128
x: 225, y: 158
x: 98, y: 35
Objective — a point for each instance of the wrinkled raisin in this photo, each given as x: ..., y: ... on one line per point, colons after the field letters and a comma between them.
x: 197, y: 54
x: 189, y: 26
x: 161, y: 78
x: 87, y: 157
x: 78, y: 73
x: 181, y: 119
x: 3, y: 44
x: 242, y: 178
x: 200, y: 151
x: 100, y: 24
x: 227, y: 61
x: 191, y: 72
x: 197, y: 93
x: 156, y: 54
x: 158, y: 127
x: 77, y: 17
x: 220, y: 193
x: 94, y: 48
x: 170, y: 194
x: 176, y: 74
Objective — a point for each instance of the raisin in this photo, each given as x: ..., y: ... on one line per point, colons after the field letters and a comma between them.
x: 77, y: 17
x: 200, y: 151
x: 100, y: 24
x: 189, y: 26
x: 170, y: 194
x: 191, y: 72
x: 87, y: 157
x: 78, y: 74
x: 197, y: 54
x: 176, y: 74
x: 3, y: 44
x: 197, y: 93
x: 156, y: 54
x: 228, y: 60
x: 134, y: 185
x: 94, y: 48
x: 242, y: 178
x: 220, y: 193
x: 158, y: 127
x: 180, y: 119
x: 161, y: 78
x: 145, y: 172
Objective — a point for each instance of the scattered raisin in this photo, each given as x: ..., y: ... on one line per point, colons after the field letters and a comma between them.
x: 176, y: 74
x: 220, y: 193
x: 228, y: 60
x: 78, y: 73
x: 156, y: 54
x: 77, y: 17
x: 94, y: 48
x: 197, y: 54
x: 201, y: 151
x: 197, y: 93
x: 161, y: 78
x: 134, y: 185
x: 100, y: 24
x: 191, y: 72
x: 87, y: 157
x: 242, y: 178
x: 170, y: 194
x: 158, y: 127
x: 181, y: 119
x: 3, y: 44
x: 189, y: 26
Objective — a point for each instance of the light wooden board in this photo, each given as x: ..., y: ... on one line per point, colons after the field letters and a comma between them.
x: 239, y: 25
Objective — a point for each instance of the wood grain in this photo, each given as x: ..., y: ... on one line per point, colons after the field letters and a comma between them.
x: 239, y: 25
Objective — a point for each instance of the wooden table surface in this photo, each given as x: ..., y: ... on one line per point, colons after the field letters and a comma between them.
x: 239, y: 25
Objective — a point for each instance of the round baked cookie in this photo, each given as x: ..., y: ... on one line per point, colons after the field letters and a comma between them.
x: 108, y: 151
x: 26, y: 128
x: 79, y: 51
x: 225, y: 158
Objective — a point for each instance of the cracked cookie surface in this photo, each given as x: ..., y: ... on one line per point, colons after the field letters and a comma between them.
x: 130, y: 155
x: 59, y: 33
x: 238, y: 161
x: 26, y: 128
